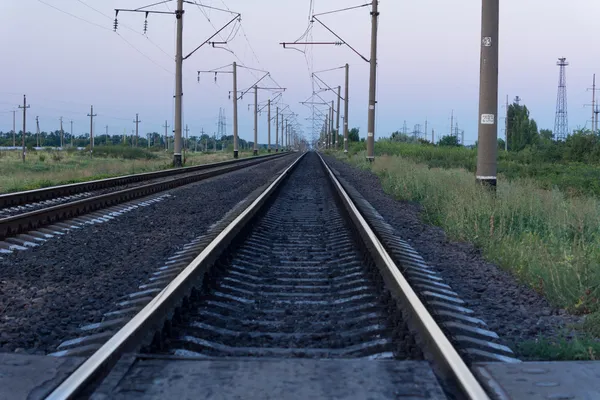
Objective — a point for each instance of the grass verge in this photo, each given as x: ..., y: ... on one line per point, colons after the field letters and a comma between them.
x: 50, y: 168
x: 548, y: 240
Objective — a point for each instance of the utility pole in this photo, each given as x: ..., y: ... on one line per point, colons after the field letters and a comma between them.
x: 235, y: 113
x: 178, y: 85
x: 37, y: 124
x: 433, y: 136
x: 287, y: 130
x: 62, y: 133
x: 506, y: 127
x: 277, y: 130
x: 186, y: 139
x: 124, y: 136
x: 282, y: 146
x: 337, y: 124
x: 14, y: 112
x: 137, y: 122
x: 166, y: 137
x: 255, y: 120
x: 333, y: 144
x: 452, y: 122
x: 327, y: 130
x: 269, y: 124
x: 346, y: 99
x: 487, y: 153
x: 72, y: 135
x: 24, y: 107
x: 91, y: 115
x: 106, y: 127
x: 425, y: 132
x: 594, y: 102
x: 372, y: 84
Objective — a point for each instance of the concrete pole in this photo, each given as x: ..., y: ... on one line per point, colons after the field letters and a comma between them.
x: 37, y: 130
x: 106, y: 134
x: 593, y: 103
x: 506, y: 127
x: 14, y: 127
x: 269, y: 124
x: 282, y: 145
x: 137, y: 122
x: 72, y: 135
x: 347, y: 94
x: 185, y: 143
x: 235, y: 113
x: 62, y: 133
x: 333, y: 144
x: 166, y: 137
x: 255, y: 120
x: 24, y: 107
x: 177, y: 162
x: 487, y: 151
x: 372, y: 84
x: 337, y: 124
x: 277, y: 130
x: 287, y: 139
x: 91, y: 115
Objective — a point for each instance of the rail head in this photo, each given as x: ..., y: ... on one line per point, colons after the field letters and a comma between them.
x: 420, y: 320
x: 153, y: 314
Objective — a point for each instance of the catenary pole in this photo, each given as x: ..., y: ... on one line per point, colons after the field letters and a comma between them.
x: 372, y: 84
x: 487, y: 151
x: 235, y: 113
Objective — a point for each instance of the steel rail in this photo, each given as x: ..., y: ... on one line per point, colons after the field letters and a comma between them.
x: 151, y: 317
x: 53, y: 192
x: 21, y: 223
x: 420, y: 320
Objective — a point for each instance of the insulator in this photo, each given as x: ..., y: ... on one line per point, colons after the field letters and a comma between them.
x: 229, y: 96
x: 116, y: 25
x: 215, y: 77
x: 145, y: 26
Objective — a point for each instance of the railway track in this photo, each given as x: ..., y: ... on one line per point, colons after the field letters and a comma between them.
x: 22, y: 212
x: 299, y: 273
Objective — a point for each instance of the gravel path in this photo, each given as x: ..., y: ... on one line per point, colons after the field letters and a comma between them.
x: 46, y: 293
x: 511, y: 309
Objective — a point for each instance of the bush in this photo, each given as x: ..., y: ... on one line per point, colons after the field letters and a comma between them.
x: 125, y: 152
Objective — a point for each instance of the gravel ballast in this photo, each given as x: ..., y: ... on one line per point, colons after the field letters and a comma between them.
x: 48, y: 292
x: 514, y: 311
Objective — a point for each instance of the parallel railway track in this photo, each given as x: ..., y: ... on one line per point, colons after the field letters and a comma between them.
x: 298, y: 273
x: 25, y: 211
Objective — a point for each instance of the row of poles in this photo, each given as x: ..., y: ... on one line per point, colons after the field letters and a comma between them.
x: 488, y: 96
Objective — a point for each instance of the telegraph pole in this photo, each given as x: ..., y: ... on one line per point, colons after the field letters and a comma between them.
x: 255, y: 119
x: 37, y: 124
x: 372, y: 84
x: 25, y: 106
x: 488, y: 95
x: 178, y: 85
x: 269, y: 120
x: 62, y: 133
x: 346, y: 109
x: 337, y: 124
x: 235, y: 113
x: 506, y: 127
x: 91, y: 115
x: 14, y: 127
x: 166, y: 138
x: 137, y: 122
x: 333, y: 144
x: 277, y: 130
x: 186, y: 137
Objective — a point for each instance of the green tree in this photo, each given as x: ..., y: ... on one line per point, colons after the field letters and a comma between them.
x: 449, y: 141
x: 353, y: 135
x: 522, y: 131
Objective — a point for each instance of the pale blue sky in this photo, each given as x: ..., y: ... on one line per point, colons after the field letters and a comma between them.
x: 428, y: 61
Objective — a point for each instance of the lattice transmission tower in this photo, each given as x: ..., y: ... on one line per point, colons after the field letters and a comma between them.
x: 561, y: 121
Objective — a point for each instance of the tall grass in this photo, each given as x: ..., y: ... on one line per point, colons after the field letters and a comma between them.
x: 548, y: 240
x: 573, y: 178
